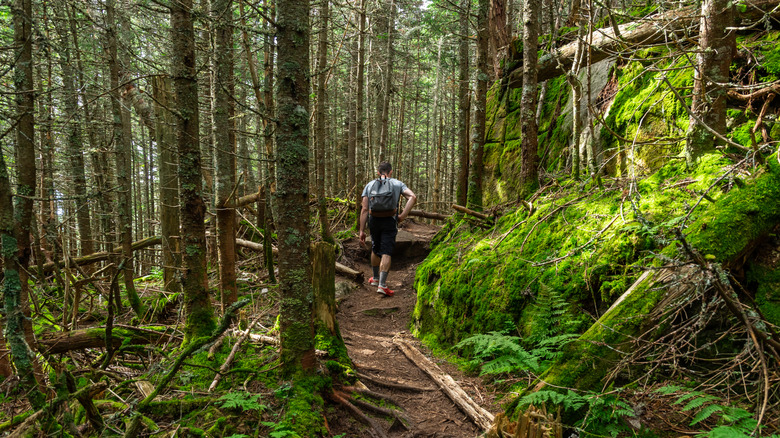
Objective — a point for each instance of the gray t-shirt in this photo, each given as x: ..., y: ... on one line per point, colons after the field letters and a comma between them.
x: 398, y: 188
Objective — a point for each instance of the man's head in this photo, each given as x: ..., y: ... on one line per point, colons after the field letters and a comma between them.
x: 384, y: 168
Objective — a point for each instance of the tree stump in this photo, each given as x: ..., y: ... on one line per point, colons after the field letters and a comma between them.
x: 323, y: 281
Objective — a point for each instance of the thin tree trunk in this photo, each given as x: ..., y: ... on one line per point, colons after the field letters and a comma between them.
x: 122, y: 148
x: 322, y: 137
x: 478, y: 133
x: 169, y: 182
x: 385, y: 127
x: 464, y: 105
x: 529, y: 177
x: 359, y: 84
x: 716, y: 50
x: 199, y: 312
x: 224, y: 134
x: 269, y: 182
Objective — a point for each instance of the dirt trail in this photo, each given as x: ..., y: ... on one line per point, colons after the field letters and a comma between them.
x: 368, y: 322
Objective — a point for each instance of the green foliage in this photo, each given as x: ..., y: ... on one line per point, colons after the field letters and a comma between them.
x: 732, y: 421
x: 242, y: 400
x: 598, y: 413
x: 498, y: 354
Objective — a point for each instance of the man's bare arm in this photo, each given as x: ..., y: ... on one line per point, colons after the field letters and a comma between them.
x: 411, y: 199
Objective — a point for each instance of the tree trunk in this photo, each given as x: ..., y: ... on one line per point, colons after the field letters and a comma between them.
x: 16, y: 218
x: 292, y: 192
x: 359, y: 84
x: 388, y: 86
x: 24, y: 152
x: 74, y: 135
x: 464, y: 105
x: 269, y: 182
x: 169, y: 182
x: 710, y: 79
x: 224, y: 134
x: 322, y: 131
x: 199, y: 313
x: 122, y: 148
x: 529, y: 177
x: 478, y: 131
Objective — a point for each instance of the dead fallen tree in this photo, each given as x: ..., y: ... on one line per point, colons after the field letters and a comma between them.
x: 341, y: 269
x: 429, y: 215
x: 471, y: 212
x: 95, y: 337
x: 482, y: 418
x: 104, y: 255
x: 666, y: 26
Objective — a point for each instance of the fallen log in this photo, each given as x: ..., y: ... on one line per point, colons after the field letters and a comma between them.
x: 470, y: 212
x: 104, y: 255
x: 666, y: 26
x: 95, y: 337
x: 482, y: 418
x: 429, y: 215
x: 356, y: 276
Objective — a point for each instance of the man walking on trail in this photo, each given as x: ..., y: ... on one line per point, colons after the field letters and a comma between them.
x: 380, y: 210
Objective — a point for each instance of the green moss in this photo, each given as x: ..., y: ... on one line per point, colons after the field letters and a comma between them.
x: 766, y: 280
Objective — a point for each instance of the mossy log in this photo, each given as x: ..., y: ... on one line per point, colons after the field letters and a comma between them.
x: 104, y: 255
x: 63, y: 342
x: 726, y: 233
x: 657, y: 28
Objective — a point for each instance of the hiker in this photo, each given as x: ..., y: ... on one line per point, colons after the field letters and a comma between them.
x: 380, y: 210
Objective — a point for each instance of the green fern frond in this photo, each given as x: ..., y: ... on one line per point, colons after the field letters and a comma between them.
x: 669, y: 389
x: 686, y: 397
x: 698, y: 402
x: 706, y: 413
x: 727, y: 432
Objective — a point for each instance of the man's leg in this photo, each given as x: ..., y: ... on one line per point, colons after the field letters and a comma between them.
x: 384, y: 270
x: 375, y: 263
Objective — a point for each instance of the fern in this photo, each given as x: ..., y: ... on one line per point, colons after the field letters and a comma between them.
x: 571, y: 401
x: 241, y: 400
x: 706, y: 413
x: 727, y: 432
x: 501, y: 353
x: 698, y: 402
x: 669, y: 389
x: 734, y: 422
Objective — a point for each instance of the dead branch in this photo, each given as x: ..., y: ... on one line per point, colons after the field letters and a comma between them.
x: 470, y: 212
x: 229, y: 360
x: 104, y: 255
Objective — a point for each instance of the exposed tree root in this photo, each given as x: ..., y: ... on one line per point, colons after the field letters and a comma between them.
x: 343, y: 400
x: 393, y: 384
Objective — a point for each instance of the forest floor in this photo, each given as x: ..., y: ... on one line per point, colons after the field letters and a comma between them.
x: 369, y: 321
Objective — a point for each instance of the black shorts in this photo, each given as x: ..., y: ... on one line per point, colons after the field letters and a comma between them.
x: 383, y: 232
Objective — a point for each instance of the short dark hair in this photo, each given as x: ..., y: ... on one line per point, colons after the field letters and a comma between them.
x: 384, y: 168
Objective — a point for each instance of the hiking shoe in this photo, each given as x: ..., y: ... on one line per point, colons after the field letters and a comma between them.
x: 385, y: 291
x: 373, y: 282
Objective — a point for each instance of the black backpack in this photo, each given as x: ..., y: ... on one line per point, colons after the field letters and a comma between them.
x: 380, y: 198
